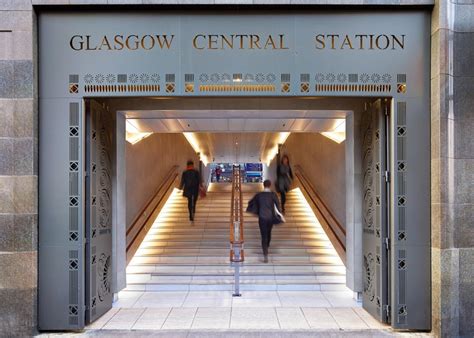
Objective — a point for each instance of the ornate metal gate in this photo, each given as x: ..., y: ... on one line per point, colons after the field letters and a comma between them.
x: 374, y: 218
x: 100, y: 131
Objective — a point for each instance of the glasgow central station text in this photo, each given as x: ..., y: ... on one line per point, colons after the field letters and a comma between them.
x: 134, y: 42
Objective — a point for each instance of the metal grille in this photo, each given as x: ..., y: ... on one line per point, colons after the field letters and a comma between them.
x: 122, y: 78
x: 74, y: 165
x: 353, y: 78
x: 304, y: 77
x: 401, y: 134
x: 73, y: 307
x: 401, y: 78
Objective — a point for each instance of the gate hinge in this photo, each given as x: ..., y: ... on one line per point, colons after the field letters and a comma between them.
x: 386, y: 110
x: 387, y: 243
x: 86, y: 173
x: 386, y: 175
x: 386, y: 309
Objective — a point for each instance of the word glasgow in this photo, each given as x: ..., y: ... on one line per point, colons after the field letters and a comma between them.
x: 234, y: 41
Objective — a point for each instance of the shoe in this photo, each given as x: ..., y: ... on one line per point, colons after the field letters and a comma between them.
x: 265, y: 259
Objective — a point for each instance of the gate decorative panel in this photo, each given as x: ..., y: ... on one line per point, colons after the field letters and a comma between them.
x: 61, y: 231
x: 100, y: 152
x: 374, y: 211
x: 410, y: 197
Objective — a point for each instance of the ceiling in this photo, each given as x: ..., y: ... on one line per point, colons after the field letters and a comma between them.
x: 238, y: 147
x: 235, y: 135
x: 234, y: 125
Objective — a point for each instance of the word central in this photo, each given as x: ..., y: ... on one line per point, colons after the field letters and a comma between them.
x: 239, y: 41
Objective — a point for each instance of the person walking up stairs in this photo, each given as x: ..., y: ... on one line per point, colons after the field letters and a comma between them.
x: 265, y: 204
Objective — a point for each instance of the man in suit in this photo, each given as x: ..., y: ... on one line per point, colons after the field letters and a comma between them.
x: 190, y: 183
x: 263, y: 204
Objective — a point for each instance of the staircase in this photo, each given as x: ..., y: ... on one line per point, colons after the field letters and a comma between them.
x: 178, y: 255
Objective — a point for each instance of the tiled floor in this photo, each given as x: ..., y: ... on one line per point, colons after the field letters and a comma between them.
x: 218, y: 310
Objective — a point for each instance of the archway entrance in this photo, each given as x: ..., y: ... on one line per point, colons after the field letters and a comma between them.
x: 395, y: 66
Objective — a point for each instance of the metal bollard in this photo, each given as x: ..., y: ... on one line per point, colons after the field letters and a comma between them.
x: 237, y: 252
x: 236, y: 271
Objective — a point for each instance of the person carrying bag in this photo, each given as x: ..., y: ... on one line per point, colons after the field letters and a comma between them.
x: 265, y: 204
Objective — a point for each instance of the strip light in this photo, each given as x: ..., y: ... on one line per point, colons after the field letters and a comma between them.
x: 338, y: 134
x: 195, y: 144
x: 282, y: 137
x: 132, y: 134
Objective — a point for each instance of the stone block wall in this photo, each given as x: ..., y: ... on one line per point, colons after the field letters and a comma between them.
x: 452, y: 167
x: 18, y: 169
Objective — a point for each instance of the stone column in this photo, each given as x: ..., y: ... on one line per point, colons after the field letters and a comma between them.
x: 18, y: 169
x: 452, y: 166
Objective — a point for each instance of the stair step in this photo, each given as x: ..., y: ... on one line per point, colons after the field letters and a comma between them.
x: 179, y: 255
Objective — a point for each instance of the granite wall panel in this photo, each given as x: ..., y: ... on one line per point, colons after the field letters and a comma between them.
x: 452, y: 173
x: 18, y: 163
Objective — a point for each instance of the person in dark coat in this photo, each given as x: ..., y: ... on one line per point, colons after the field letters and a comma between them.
x: 284, y: 178
x: 218, y: 173
x: 190, y: 184
x: 263, y: 204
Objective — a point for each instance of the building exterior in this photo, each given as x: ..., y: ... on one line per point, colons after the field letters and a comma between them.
x: 452, y: 151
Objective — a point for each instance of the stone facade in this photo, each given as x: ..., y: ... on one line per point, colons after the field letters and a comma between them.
x: 452, y: 169
x: 18, y: 169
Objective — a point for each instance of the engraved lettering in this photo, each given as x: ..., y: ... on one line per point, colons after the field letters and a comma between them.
x: 163, y: 41
x: 105, y: 42
x: 147, y: 42
x: 282, y: 41
x: 361, y: 40
x: 135, y: 43
x: 230, y: 43
x: 347, y: 42
x: 76, y: 42
x: 270, y: 42
x: 401, y: 43
x: 320, y: 44
x: 382, y: 44
x: 118, y: 42
x: 333, y: 36
x: 212, y: 41
x: 88, y: 47
x: 195, y: 43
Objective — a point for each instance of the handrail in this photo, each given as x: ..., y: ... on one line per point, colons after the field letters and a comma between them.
x: 337, y: 231
x: 237, y: 214
x: 139, y: 223
x: 236, y: 227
